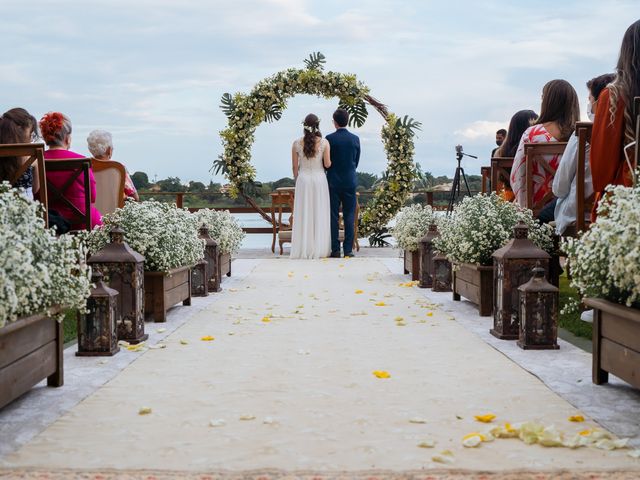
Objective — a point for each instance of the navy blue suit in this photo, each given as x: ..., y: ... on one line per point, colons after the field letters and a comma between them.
x: 345, y: 156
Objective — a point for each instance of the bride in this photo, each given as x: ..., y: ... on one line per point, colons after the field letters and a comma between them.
x: 311, y: 236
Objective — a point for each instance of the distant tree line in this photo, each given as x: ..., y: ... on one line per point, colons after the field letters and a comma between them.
x: 212, y: 194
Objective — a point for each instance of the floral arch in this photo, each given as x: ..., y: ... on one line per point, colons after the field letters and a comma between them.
x: 267, y: 101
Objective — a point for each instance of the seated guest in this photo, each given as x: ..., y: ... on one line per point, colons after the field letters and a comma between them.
x: 19, y: 126
x: 614, y: 123
x: 101, y: 147
x: 519, y: 123
x: 564, y: 182
x: 559, y: 113
x: 500, y: 136
x: 56, y: 132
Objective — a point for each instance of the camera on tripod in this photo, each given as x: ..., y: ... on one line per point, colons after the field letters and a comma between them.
x: 458, y: 178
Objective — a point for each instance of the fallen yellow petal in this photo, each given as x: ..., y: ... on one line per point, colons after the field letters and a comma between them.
x: 207, y: 338
x: 398, y: 319
x: 445, y: 456
x: 380, y: 304
x: 358, y: 292
x: 576, y: 418
x: 487, y: 418
x: 266, y: 319
x: 144, y: 411
x: 430, y: 314
x: 430, y: 443
x: 381, y: 374
x: 472, y: 440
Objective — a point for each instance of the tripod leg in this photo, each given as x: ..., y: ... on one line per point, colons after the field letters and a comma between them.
x: 465, y: 181
x: 455, y: 190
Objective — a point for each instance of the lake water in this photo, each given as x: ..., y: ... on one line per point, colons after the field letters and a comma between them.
x: 262, y: 240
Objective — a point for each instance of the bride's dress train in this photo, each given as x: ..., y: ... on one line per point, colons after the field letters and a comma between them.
x: 311, y: 235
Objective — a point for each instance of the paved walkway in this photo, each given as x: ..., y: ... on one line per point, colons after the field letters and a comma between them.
x: 288, y: 383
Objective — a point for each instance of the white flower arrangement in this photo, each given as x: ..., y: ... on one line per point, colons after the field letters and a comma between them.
x: 481, y: 224
x: 267, y: 100
x: 412, y: 223
x: 605, y: 260
x: 223, y: 228
x: 37, y: 270
x: 166, y: 235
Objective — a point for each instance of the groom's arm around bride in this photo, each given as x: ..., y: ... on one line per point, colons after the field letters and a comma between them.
x: 345, y: 156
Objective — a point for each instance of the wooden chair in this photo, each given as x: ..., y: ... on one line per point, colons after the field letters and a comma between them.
x: 500, y: 172
x: 110, y: 177
x: 531, y: 152
x: 281, y: 202
x: 75, y: 167
x: 35, y: 154
x: 583, y: 206
x: 485, y: 172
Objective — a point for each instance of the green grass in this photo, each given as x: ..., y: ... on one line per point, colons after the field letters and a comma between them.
x: 70, y: 326
x: 571, y: 321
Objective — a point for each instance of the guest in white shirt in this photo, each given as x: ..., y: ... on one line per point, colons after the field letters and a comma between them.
x: 564, y: 181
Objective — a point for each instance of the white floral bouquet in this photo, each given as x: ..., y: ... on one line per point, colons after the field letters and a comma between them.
x: 411, y: 224
x: 166, y: 235
x: 481, y: 224
x: 223, y: 228
x: 37, y: 270
x: 605, y: 261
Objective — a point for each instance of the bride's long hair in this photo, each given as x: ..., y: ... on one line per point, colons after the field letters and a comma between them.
x: 311, y: 128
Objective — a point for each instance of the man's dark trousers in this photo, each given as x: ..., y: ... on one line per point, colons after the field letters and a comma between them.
x: 346, y: 197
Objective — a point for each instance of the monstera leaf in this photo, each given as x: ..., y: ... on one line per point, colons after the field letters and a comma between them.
x: 410, y: 124
x: 357, y: 112
x: 227, y: 105
x: 315, y: 61
x: 219, y: 166
x: 274, y: 113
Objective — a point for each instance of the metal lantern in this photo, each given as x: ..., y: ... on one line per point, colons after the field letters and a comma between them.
x: 441, y: 273
x: 211, y: 256
x: 426, y: 256
x: 539, y: 302
x: 97, y: 334
x: 200, y: 279
x: 512, y: 267
x: 123, y: 270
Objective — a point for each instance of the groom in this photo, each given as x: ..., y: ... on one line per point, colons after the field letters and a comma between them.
x: 345, y: 155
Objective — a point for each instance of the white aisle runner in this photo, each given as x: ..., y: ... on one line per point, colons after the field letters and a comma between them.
x: 288, y: 383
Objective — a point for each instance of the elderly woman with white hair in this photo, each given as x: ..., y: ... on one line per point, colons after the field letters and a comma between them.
x: 101, y: 147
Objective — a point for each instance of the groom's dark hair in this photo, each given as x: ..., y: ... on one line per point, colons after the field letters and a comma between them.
x: 341, y: 117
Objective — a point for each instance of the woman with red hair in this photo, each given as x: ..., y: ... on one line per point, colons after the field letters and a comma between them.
x: 56, y: 132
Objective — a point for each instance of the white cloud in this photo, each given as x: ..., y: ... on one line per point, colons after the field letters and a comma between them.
x: 480, y: 129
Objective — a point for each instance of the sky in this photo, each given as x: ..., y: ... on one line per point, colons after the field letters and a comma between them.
x: 152, y: 71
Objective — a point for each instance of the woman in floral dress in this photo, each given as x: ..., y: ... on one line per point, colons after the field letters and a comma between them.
x: 559, y: 112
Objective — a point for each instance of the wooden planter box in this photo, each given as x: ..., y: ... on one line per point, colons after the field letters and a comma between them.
x: 475, y: 283
x: 412, y: 264
x: 30, y: 351
x: 616, y: 341
x: 162, y: 290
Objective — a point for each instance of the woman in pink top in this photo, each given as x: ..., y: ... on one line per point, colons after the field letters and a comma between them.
x: 559, y: 113
x: 56, y: 132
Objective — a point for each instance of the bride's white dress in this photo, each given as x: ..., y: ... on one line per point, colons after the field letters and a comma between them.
x: 311, y: 235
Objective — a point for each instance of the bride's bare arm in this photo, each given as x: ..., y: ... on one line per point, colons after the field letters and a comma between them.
x: 326, y: 157
x: 294, y: 161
